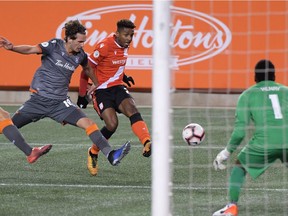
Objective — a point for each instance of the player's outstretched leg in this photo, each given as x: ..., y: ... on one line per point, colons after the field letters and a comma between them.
x: 38, y: 152
x: 228, y: 210
x: 115, y: 156
x: 92, y: 162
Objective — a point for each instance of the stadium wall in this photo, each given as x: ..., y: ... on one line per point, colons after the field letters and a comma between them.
x: 178, y: 99
x: 215, y: 45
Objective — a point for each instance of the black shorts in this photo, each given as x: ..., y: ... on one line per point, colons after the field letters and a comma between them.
x: 38, y: 107
x: 110, y: 97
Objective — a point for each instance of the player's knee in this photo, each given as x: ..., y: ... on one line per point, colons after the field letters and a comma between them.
x: 84, y: 123
x: 20, y: 120
x: 112, y: 126
x: 4, y: 115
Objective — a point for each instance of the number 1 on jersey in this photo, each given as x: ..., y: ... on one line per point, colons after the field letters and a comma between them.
x: 276, y: 106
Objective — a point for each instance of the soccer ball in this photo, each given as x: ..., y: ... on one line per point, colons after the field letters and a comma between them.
x: 193, y: 134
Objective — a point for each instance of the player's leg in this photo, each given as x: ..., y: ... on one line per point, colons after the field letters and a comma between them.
x: 105, y: 98
x: 74, y: 116
x: 236, y: 180
x: 12, y: 133
x: 138, y: 125
x: 114, y: 156
x: 252, y: 161
x: 104, y: 105
x: 103, y: 102
x: 111, y: 123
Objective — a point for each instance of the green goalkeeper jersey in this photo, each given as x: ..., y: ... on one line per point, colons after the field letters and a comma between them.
x: 266, y: 105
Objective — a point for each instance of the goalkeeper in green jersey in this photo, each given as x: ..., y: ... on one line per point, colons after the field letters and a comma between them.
x: 266, y: 105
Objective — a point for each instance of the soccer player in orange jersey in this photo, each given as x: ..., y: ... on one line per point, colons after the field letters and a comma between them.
x: 111, y: 95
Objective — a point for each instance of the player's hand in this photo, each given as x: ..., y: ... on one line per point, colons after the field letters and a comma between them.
x: 128, y: 79
x: 82, y: 102
x: 220, y: 158
x: 91, y: 89
x: 5, y: 43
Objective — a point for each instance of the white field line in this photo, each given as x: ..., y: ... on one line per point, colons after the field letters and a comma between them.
x: 65, y: 145
x: 131, y: 187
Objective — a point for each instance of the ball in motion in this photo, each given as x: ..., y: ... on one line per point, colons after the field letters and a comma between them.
x: 193, y: 134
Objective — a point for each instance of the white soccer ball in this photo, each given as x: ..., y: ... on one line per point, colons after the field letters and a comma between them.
x: 193, y: 134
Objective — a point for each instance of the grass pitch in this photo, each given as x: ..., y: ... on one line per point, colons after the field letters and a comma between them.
x: 59, y: 182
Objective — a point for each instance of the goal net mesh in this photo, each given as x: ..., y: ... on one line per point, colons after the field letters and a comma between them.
x: 216, y: 45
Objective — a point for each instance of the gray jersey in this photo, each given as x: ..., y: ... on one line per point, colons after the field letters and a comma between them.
x: 53, y: 77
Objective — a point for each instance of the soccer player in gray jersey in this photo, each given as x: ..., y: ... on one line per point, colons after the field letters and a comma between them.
x: 266, y: 105
x: 50, y: 84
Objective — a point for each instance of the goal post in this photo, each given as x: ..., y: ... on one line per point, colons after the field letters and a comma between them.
x: 161, y: 125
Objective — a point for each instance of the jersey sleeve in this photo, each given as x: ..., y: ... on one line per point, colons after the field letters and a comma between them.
x: 242, y: 120
x: 48, y: 46
x: 100, y: 52
x: 84, y: 61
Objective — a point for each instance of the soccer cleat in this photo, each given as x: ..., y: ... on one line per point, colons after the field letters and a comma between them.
x: 38, y: 152
x: 228, y: 210
x: 92, y: 163
x: 147, y: 149
x: 115, y: 156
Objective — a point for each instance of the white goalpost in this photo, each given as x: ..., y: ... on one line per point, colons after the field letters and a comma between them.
x: 161, y: 129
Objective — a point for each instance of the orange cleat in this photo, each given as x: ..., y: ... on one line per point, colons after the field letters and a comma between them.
x: 147, y: 149
x: 92, y: 163
x: 228, y: 210
x: 38, y: 152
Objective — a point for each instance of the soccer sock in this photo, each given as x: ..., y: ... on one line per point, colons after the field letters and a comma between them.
x: 140, y: 128
x: 96, y: 137
x: 12, y: 133
x: 107, y: 134
x: 94, y: 149
x: 236, y: 181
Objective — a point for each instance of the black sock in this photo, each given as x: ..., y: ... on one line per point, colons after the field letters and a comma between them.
x: 106, y: 133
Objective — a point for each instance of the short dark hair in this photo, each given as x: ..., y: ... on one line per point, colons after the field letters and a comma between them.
x: 72, y: 28
x: 125, y: 23
x: 264, y: 70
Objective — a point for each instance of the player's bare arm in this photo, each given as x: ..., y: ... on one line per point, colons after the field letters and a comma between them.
x: 22, y: 49
x: 88, y: 70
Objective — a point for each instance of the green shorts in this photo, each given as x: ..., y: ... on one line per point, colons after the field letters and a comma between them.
x: 256, y: 161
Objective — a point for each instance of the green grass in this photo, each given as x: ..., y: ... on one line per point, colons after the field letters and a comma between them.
x: 59, y: 183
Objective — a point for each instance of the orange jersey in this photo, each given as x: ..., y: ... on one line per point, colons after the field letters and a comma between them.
x: 109, y: 58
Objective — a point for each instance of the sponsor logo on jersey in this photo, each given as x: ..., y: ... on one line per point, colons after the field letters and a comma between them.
x: 121, y: 62
x: 65, y: 65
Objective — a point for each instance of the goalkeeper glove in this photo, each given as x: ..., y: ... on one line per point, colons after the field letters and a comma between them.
x: 220, y: 158
x: 127, y: 79
x: 82, y: 102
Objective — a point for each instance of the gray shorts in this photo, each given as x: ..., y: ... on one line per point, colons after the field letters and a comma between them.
x: 38, y: 107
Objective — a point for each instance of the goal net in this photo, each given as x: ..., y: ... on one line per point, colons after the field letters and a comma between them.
x: 214, y: 48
